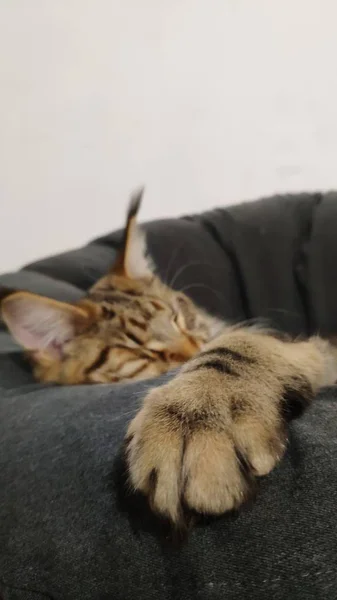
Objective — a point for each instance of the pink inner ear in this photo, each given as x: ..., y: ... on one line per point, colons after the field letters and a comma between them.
x: 39, y: 340
x: 38, y: 323
x: 25, y: 338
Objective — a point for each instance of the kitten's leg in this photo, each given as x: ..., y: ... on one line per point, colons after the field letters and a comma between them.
x: 201, y: 439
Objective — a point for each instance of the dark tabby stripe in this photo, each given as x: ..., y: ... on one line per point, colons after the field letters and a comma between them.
x: 227, y: 353
x: 139, y: 370
x: 99, y: 361
x: 216, y: 365
x: 133, y: 338
x: 138, y: 324
x: 101, y: 295
x: 112, y: 296
x: 131, y: 292
x: 156, y: 305
x: 220, y: 359
x: 108, y: 313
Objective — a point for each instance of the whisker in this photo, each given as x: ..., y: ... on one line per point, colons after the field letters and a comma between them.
x: 207, y: 287
x: 187, y: 266
x: 128, y: 413
x: 174, y: 254
x: 263, y: 321
x: 285, y: 311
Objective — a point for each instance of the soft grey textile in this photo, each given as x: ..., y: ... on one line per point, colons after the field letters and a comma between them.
x: 67, y: 531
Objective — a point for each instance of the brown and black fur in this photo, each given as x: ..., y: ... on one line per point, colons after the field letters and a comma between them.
x: 129, y: 326
x: 202, y: 439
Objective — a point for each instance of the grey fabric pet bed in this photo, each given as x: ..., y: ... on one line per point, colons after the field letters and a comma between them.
x: 68, y: 531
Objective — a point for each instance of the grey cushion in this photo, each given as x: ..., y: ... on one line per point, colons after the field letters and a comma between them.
x: 67, y: 529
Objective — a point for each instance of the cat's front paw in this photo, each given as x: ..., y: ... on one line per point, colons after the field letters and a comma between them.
x: 201, y: 440
x: 191, y: 446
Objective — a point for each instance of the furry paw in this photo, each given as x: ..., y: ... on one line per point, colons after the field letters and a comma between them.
x: 201, y: 440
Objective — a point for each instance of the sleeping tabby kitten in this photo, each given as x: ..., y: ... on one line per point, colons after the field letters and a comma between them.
x: 200, y: 440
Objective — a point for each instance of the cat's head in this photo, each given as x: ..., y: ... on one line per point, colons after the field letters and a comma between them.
x: 130, y: 325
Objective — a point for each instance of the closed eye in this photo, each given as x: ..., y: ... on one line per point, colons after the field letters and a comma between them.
x: 132, y: 369
x: 134, y: 338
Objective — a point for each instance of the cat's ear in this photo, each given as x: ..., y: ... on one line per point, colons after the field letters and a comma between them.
x: 41, y: 324
x: 132, y: 260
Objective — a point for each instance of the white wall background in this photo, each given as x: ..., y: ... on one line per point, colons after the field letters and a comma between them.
x: 205, y: 101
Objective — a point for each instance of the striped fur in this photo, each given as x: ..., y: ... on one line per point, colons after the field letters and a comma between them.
x: 130, y: 325
x: 200, y: 441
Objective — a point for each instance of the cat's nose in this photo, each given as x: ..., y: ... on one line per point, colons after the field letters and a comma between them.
x: 183, y: 350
